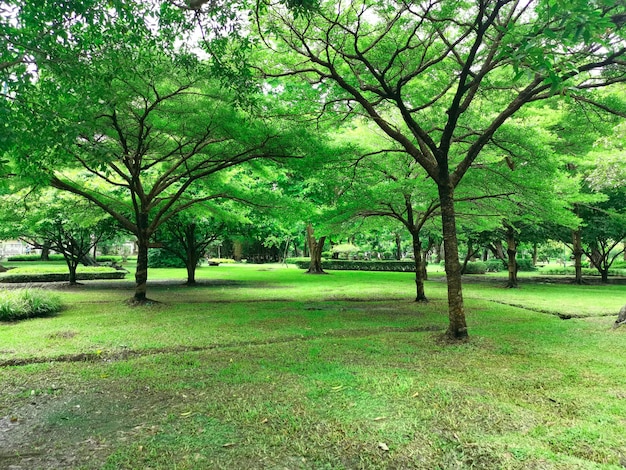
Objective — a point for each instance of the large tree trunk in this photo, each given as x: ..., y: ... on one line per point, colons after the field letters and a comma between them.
x: 457, y: 328
x: 419, y: 267
x: 577, y: 252
x: 45, y: 252
x: 315, y: 250
x: 511, y: 251
x: 191, y: 272
x: 72, y: 269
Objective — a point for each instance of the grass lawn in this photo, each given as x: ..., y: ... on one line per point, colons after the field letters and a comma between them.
x: 263, y: 367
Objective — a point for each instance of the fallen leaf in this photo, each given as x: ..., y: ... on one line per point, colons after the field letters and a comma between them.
x: 415, y: 394
x: 383, y: 446
x: 186, y: 413
x: 14, y: 419
x: 379, y: 418
x: 265, y: 420
x: 229, y: 444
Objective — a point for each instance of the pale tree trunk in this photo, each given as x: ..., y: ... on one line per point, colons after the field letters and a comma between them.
x: 419, y: 267
x: 315, y: 249
x: 457, y: 328
x: 511, y: 251
x: 577, y: 252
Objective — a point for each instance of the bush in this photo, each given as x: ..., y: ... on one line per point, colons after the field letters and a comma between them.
x: 475, y: 267
x: 359, y: 265
x: 27, y: 303
x: 158, y: 258
x: 494, y: 265
x: 59, y: 274
x: 301, y: 259
x: 53, y: 257
x: 110, y: 259
x: 525, y: 264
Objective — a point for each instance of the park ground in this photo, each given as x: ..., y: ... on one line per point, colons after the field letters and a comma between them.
x: 263, y: 367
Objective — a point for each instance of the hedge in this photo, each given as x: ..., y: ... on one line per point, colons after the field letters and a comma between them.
x: 53, y: 257
x: 13, y: 277
x: 359, y: 265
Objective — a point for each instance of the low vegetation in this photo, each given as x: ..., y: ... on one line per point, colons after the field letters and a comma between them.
x: 21, y: 304
x: 58, y: 273
x: 263, y: 367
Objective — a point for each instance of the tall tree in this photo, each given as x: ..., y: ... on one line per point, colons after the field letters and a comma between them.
x: 142, y: 135
x: 441, y: 78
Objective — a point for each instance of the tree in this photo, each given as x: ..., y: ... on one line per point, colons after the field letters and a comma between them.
x: 47, y: 220
x: 441, y: 78
x: 146, y: 134
x: 188, y: 237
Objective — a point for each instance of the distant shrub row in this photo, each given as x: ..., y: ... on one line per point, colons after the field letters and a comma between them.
x: 477, y: 267
x: 58, y: 274
x: 358, y: 265
x: 20, y: 304
x: 585, y: 271
x: 57, y: 257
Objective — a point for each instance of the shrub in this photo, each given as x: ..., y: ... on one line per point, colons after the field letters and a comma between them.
x: 53, y: 257
x: 301, y: 259
x: 494, y: 265
x: 20, y: 304
x: 359, y: 265
x: 525, y: 264
x: 475, y: 267
x: 59, y: 274
x: 110, y: 259
x: 158, y: 258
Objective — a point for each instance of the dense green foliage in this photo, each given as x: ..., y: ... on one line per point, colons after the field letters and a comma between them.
x: 58, y: 274
x: 160, y: 258
x: 20, y: 304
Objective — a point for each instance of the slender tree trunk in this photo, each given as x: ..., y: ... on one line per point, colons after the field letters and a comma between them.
x: 511, y: 251
x: 468, y: 256
x: 457, y: 328
x: 419, y: 267
x: 535, y: 254
x: 398, y: 247
x: 577, y: 252
x: 315, y: 250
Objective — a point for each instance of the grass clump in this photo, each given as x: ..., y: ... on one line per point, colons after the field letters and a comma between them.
x: 21, y: 304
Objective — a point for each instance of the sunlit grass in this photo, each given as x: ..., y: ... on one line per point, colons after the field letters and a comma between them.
x: 266, y: 367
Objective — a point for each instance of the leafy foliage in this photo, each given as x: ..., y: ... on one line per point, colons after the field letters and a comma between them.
x: 20, y: 304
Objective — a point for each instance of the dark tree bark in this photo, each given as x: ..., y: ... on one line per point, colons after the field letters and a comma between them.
x: 315, y: 250
x: 577, y: 253
x: 511, y: 251
x: 457, y: 327
x: 141, y: 274
x: 419, y: 267
x: 398, y: 247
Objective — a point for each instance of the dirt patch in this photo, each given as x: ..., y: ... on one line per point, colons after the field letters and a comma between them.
x: 75, y: 430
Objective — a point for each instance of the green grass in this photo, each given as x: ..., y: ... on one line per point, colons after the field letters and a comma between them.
x: 21, y: 304
x: 266, y: 367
